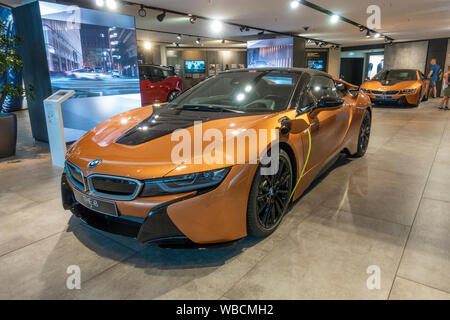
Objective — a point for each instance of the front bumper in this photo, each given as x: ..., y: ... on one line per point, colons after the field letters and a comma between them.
x: 401, y: 99
x: 159, y: 227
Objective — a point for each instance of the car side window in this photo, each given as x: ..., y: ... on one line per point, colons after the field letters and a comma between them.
x: 144, y: 73
x: 322, y: 86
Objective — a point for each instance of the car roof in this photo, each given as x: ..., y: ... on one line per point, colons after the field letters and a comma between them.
x: 278, y: 69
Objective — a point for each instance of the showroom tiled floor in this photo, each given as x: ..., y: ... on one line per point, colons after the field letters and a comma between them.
x: 390, y: 209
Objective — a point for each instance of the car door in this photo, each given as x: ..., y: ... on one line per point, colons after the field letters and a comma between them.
x: 329, y: 125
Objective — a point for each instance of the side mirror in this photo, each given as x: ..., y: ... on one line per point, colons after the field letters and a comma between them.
x: 330, y: 102
x: 340, y: 86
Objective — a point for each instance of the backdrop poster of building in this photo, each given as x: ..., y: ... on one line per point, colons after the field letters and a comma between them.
x: 276, y: 52
x: 89, y: 51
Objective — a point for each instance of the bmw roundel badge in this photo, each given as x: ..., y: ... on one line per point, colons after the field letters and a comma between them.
x: 95, y: 163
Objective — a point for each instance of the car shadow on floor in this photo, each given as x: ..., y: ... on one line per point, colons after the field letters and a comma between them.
x: 156, y: 257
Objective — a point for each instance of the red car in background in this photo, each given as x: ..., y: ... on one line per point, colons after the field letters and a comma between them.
x: 158, y: 84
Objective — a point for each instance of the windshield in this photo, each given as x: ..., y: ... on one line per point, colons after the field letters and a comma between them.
x: 397, y: 75
x: 242, y: 92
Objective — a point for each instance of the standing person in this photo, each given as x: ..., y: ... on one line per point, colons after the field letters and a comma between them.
x: 444, y: 100
x: 434, y: 76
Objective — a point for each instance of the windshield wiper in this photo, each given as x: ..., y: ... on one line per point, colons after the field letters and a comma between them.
x: 207, y: 108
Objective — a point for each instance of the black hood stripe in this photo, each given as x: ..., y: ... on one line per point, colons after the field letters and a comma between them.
x: 165, y: 121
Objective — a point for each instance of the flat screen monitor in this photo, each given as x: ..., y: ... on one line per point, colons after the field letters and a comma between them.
x: 268, y: 53
x: 195, y: 66
x: 316, y: 65
x: 89, y: 51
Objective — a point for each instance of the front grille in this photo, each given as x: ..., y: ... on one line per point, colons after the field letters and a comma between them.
x: 390, y: 93
x: 116, y: 188
x: 75, y: 176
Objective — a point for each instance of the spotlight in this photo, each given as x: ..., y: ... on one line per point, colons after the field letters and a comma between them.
x: 247, y: 29
x: 174, y: 44
x: 161, y: 16
x: 223, y: 40
x: 317, y: 42
x: 147, y: 45
x: 142, y: 13
x: 377, y: 35
x: 179, y: 37
x: 361, y: 28
x: 111, y: 4
x: 306, y: 28
x: 193, y: 19
x: 308, y: 41
x: 368, y: 34
x: 334, y: 18
x: 178, y: 45
x: 295, y: 4
x: 261, y: 33
x: 197, y: 41
x: 100, y: 3
x: 242, y: 28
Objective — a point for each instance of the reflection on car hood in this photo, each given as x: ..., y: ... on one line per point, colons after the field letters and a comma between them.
x: 145, y: 156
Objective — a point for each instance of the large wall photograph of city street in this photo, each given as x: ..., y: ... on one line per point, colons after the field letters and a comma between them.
x: 92, y: 59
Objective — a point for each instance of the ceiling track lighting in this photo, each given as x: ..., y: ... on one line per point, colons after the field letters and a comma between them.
x: 179, y: 37
x: 261, y: 33
x: 377, y: 35
x: 242, y: 28
x: 361, y: 28
x: 142, y: 12
x: 161, y: 16
x: 368, y: 33
x: 198, y: 41
x: 192, y: 19
x: 223, y: 40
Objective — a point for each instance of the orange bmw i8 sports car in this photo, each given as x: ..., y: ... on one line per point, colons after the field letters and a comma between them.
x: 397, y: 86
x: 121, y: 177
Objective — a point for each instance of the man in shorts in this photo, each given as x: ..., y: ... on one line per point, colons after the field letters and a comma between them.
x: 433, y: 75
x: 444, y: 101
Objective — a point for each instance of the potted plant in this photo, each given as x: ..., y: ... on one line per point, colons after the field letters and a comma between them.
x: 10, y: 61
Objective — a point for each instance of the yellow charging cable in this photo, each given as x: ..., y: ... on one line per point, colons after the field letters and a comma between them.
x: 306, y: 162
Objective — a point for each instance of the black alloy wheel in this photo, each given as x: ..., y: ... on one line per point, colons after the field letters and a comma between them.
x: 364, y: 135
x: 269, y: 198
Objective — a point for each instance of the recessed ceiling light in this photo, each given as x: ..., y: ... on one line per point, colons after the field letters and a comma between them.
x: 216, y: 26
x: 334, y: 18
x: 295, y: 4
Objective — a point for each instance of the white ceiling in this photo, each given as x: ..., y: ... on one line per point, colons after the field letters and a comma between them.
x: 402, y: 20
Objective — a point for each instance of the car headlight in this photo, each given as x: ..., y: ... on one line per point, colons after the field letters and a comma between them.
x: 408, y: 91
x: 184, y: 183
x: 365, y: 90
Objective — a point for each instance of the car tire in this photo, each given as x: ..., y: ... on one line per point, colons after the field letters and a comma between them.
x: 269, y: 198
x: 364, y: 135
x: 172, y: 95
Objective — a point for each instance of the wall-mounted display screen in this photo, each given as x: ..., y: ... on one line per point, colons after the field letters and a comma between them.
x: 195, y: 66
x: 316, y: 65
x: 89, y: 51
x: 277, y: 52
